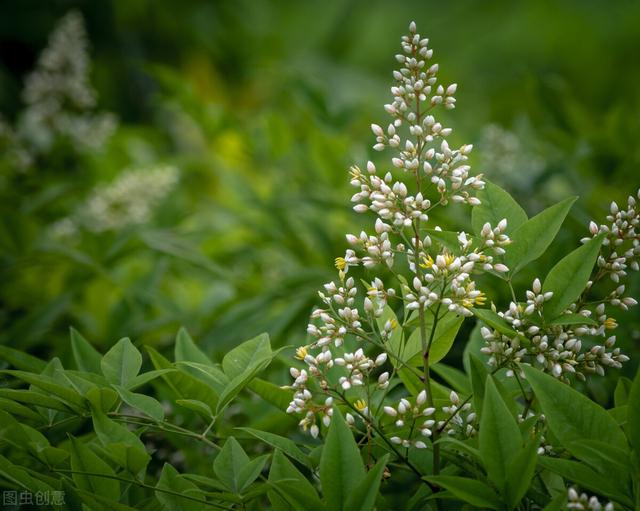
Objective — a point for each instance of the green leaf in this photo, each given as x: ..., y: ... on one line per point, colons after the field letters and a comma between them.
x: 248, y: 354
x: 633, y: 414
x: 250, y: 472
x: 196, y: 406
x: 572, y: 319
x: 186, y: 350
x: 34, y: 398
x: 520, y: 472
x: 292, y: 490
x: 279, y: 442
x: 121, y: 363
x: 83, y: 459
x: 238, y: 383
x: 19, y: 478
x: 102, y: 398
x: 142, y: 402
x: 364, y: 495
x: 21, y: 360
x: 531, y: 239
x: 15, y: 408
x: 448, y: 240
x: 478, y: 375
x: 570, y: 415
x: 499, y: 435
x: 568, y: 278
x: 586, y: 477
x: 86, y: 356
x: 183, y: 385
x: 496, y: 204
x: 50, y: 385
x: 474, y: 492
x: 123, y: 446
x: 454, y: 377
x: 341, y: 468
x: 603, y: 458
x: 208, y: 374
x: 446, y: 331
x: 144, y: 378
x: 623, y: 391
x: 229, y: 464
x: 495, y: 321
x: 180, y: 488
x: 271, y: 393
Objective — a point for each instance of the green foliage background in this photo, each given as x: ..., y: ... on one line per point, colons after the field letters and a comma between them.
x: 263, y: 106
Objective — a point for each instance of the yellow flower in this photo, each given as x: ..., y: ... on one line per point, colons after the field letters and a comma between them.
x: 301, y: 352
x: 448, y: 258
x: 481, y: 299
x: 610, y: 323
x: 360, y: 405
x: 427, y: 262
x: 340, y: 263
x: 394, y: 324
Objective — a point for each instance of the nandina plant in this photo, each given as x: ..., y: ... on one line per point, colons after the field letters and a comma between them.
x: 390, y: 426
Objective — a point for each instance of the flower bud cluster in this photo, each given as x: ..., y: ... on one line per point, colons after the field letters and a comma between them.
x: 389, y: 199
x: 583, y: 502
x: 407, y: 414
x: 621, y: 239
x: 554, y: 347
x: 459, y: 418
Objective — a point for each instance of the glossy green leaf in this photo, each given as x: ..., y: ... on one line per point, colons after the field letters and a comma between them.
x: 496, y: 204
x: 468, y: 490
x: 292, y: 491
x: 180, y: 492
x: 229, y: 463
x: 572, y: 319
x: 364, y: 495
x: 83, y: 459
x: 187, y: 350
x: 453, y: 377
x: 520, y: 472
x: 498, y: 323
x: 443, y: 338
x: 51, y: 386
x: 142, y: 402
x: 341, y: 468
x: 250, y: 472
x: 622, y: 391
x: 85, y: 355
x: 571, y: 416
x: 286, y: 445
x: 531, y: 239
x: 499, y: 435
x: 182, y: 384
x: 271, y: 393
x: 586, y: 477
x: 248, y: 354
x: 196, y: 406
x: 21, y: 360
x: 121, y: 363
x: 568, y: 278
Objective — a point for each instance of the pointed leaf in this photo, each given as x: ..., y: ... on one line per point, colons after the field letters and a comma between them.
x: 495, y: 205
x: 499, y: 435
x: 229, y: 464
x: 83, y: 459
x: 531, y: 239
x: 363, y: 497
x: 121, y: 363
x: 474, y: 492
x: 279, y: 442
x: 568, y: 278
x: 341, y: 467
x: 142, y: 402
x: 571, y: 416
x: 86, y: 356
x: 248, y: 354
x: 186, y: 350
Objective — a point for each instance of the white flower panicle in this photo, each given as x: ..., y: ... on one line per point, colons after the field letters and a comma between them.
x: 59, y: 95
x: 425, y: 173
x: 582, y: 502
x: 559, y: 348
x: 129, y: 200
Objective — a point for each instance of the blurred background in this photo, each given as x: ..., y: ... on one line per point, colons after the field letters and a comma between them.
x: 189, y: 166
